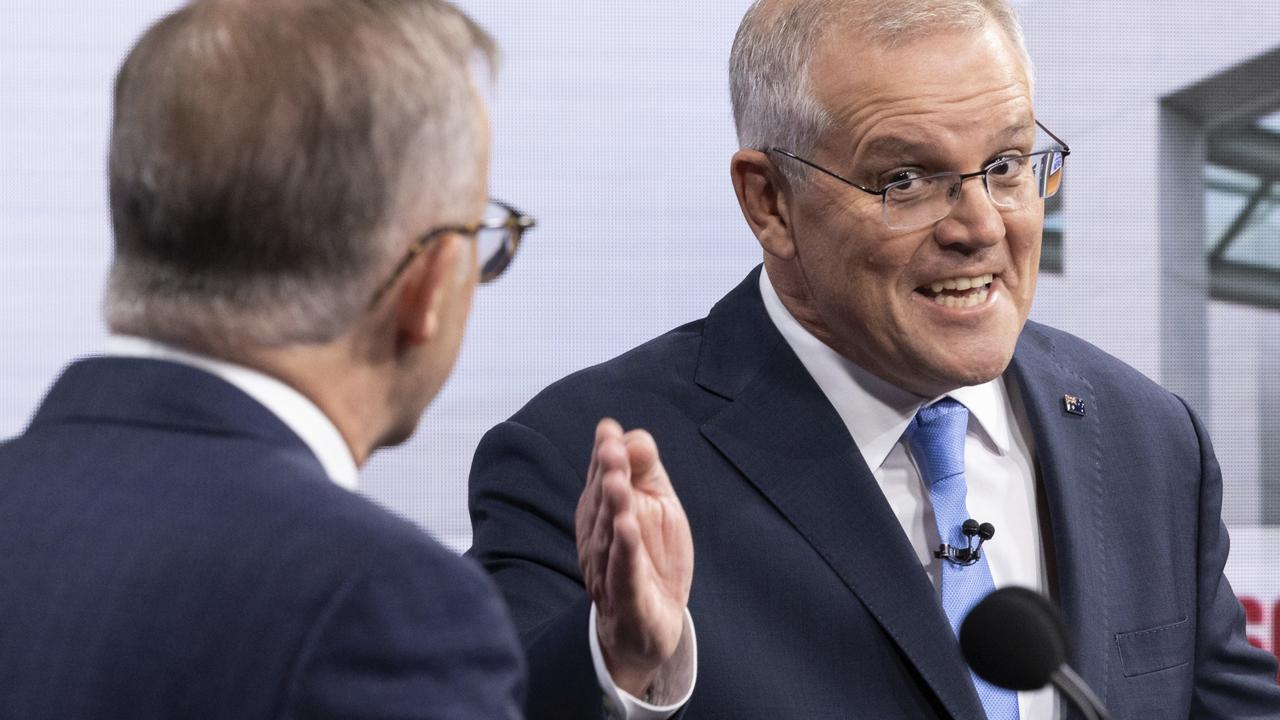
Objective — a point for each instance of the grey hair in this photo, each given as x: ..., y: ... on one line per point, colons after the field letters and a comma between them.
x: 264, y: 151
x: 773, y: 99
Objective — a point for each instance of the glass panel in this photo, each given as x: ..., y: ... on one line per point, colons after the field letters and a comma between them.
x: 1226, y: 194
x: 1259, y: 243
x: 1051, y: 247
x: 1226, y: 179
x: 1270, y: 122
x: 1053, y: 214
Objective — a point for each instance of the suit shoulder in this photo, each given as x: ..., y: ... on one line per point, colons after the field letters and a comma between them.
x: 361, y: 530
x: 1109, y: 376
x: 660, y: 367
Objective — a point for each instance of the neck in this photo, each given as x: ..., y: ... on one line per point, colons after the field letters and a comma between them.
x: 348, y: 392
x: 793, y: 291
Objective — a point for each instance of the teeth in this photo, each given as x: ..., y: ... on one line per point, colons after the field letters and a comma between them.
x: 961, y: 283
x: 973, y: 299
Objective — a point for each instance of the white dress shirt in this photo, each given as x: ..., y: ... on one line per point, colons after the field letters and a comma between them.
x: 292, y: 407
x: 999, y: 465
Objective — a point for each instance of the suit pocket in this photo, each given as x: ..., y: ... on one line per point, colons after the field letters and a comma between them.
x: 1158, y: 648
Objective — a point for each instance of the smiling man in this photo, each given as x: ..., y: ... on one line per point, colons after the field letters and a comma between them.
x: 828, y: 429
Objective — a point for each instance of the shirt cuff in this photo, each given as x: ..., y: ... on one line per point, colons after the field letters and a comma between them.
x: 671, y: 689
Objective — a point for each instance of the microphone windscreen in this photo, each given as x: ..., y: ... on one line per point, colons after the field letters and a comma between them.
x: 1014, y: 638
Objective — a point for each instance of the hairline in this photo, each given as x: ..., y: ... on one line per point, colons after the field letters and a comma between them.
x: 821, y: 19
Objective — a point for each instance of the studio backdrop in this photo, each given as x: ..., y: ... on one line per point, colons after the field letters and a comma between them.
x: 611, y: 124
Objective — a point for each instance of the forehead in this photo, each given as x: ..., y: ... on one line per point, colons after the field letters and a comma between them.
x: 950, y: 88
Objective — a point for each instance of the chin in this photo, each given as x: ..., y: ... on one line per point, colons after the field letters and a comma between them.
x: 946, y: 368
x: 399, y: 433
x: 966, y: 371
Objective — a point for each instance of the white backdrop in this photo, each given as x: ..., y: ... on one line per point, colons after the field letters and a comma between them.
x: 612, y: 126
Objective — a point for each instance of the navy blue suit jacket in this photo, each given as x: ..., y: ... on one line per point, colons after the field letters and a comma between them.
x: 807, y: 597
x: 170, y: 549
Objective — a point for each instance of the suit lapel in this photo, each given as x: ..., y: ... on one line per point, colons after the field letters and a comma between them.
x: 1065, y: 418
x: 784, y: 436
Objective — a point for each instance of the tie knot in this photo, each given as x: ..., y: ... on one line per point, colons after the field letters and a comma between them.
x: 936, y: 438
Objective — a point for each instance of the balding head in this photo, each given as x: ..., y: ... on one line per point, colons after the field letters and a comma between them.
x: 773, y: 102
x: 263, y: 152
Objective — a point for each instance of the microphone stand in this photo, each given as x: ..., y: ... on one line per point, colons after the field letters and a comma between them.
x: 1073, y: 687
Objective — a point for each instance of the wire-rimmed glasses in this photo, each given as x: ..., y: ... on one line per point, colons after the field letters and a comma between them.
x: 497, y: 236
x: 1011, y: 183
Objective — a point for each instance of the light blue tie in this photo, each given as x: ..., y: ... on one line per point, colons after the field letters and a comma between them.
x: 936, y: 439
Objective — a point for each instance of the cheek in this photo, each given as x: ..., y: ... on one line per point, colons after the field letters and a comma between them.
x: 885, y: 261
x: 1024, y: 246
x: 891, y: 254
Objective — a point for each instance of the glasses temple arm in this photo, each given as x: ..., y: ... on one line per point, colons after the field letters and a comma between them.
x: 1065, y: 149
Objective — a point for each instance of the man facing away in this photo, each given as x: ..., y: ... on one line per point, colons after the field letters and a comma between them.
x: 833, y: 422
x: 298, y: 198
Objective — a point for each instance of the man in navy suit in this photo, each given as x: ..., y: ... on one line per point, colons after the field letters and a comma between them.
x: 827, y: 429
x: 298, y: 198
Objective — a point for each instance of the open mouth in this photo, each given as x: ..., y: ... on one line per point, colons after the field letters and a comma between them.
x: 959, y: 292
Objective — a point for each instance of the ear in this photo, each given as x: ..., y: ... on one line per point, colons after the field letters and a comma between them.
x: 762, y: 197
x: 420, y: 305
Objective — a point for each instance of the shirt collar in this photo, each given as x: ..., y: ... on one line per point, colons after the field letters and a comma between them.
x: 877, y: 412
x: 293, y: 408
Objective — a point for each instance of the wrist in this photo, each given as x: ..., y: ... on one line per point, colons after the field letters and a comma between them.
x: 634, y: 677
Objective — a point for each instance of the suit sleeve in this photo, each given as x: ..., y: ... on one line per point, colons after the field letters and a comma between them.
x: 523, y: 494
x: 425, y: 638
x: 1233, y: 679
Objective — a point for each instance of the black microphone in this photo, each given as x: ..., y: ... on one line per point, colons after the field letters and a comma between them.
x: 965, y: 556
x: 1016, y: 639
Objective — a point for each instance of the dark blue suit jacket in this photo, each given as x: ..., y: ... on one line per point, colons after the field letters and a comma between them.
x: 807, y: 597
x: 170, y: 549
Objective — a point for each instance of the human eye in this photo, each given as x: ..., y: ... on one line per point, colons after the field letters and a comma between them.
x: 1008, y: 168
x: 906, y: 184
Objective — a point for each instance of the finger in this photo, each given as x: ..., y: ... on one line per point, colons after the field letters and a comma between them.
x: 589, y: 501
x: 607, y: 427
x: 615, y: 499
x: 647, y: 472
x: 616, y: 492
x: 623, y: 584
x: 612, y: 468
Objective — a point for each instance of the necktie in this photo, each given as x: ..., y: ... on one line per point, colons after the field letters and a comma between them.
x: 936, y: 440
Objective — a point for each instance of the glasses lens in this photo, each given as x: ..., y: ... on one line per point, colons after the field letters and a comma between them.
x: 493, y: 251
x: 914, y: 203
x: 1017, y: 182
x: 1053, y: 173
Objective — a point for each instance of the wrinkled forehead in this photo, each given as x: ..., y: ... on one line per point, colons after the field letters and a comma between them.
x: 952, y: 86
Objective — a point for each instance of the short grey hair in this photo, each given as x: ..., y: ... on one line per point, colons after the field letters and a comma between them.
x: 263, y: 152
x: 773, y: 100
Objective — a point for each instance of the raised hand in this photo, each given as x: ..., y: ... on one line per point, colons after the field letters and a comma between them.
x: 636, y: 555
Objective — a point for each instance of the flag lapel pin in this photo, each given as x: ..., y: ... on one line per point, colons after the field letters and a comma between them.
x: 1073, y: 404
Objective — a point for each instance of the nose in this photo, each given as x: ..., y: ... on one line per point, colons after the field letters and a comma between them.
x: 975, y: 221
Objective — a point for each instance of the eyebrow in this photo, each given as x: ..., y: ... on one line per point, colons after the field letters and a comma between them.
x: 893, y: 147
x: 1018, y: 128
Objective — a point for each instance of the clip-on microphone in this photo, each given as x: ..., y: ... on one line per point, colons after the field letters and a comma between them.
x: 965, y: 556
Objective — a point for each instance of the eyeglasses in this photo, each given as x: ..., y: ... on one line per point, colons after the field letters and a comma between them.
x: 1011, y: 183
x: 497, y: 238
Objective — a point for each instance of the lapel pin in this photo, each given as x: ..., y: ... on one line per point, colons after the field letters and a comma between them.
x: 1073, y: 404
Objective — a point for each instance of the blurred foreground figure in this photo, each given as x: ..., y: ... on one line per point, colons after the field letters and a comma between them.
x: 298, y: 198
x: 831, y: 429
